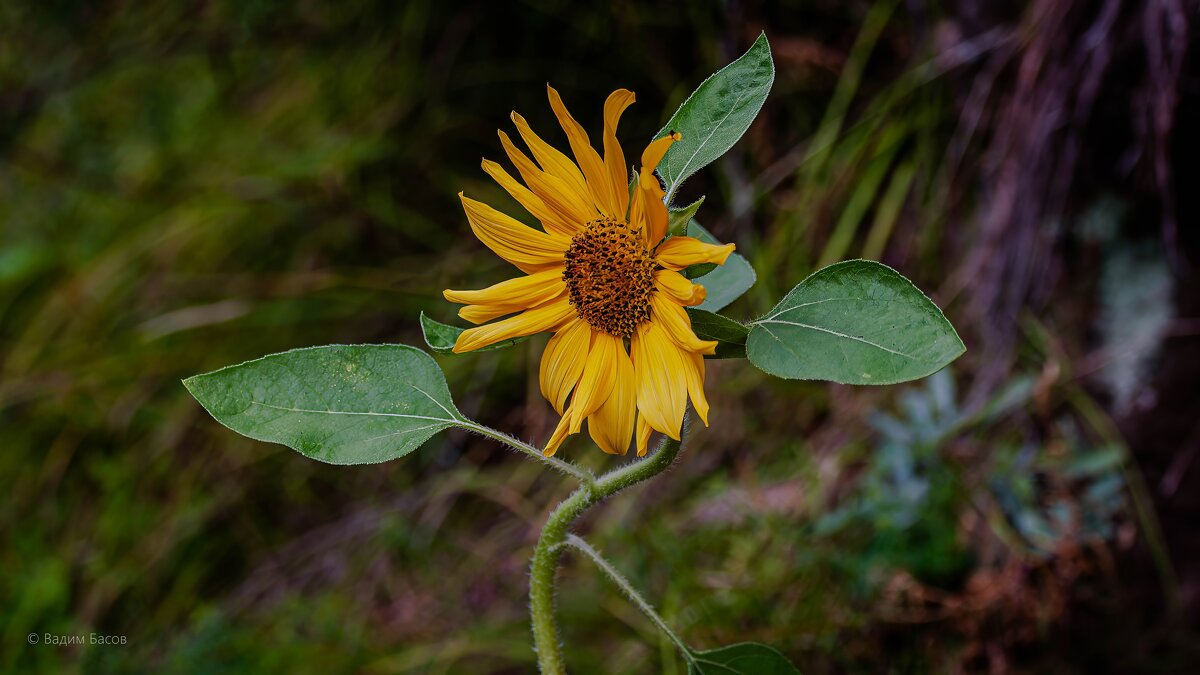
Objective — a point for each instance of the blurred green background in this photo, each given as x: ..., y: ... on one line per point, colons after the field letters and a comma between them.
x: 187, y: 185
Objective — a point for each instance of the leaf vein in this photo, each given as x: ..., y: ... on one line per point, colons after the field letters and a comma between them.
x: 676, y: 180
x: 817, y: 302
x: 355, y: 412
x: 841, y: 335
x: 435, y: 401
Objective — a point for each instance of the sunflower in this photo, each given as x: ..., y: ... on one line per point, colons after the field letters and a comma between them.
x: 603, y: 276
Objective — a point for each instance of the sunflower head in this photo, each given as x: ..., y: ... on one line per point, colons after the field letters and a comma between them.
x: 609, y: 276
x: 603, y: 276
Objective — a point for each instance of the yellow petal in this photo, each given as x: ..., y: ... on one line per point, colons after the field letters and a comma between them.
x: 508, y: 297
x: 531, y: 251
x: 695, y: 384
x: 573, y: 208
x: 551, y: 159
x: 551, y: 219
x: 614, y: 157
x: 643, y: 435
x: 657, y: 149
x: 611, y: 426
x: 647, y: 218
x: 648, y: 207
x: 589, y: 160
x: 559, y: 435
x: 548, y: 316
x: 562, y: 362
x: 677, y: 253
x: 678, y: 288
x: 676, y: 323
x: 478, y: 314
x: 662, y: 389
x: 599, y: 374
x: 530, y: 290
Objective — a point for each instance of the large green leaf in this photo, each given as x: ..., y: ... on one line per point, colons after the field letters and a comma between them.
x: 746, y: 658
x: 717, y: 113
x: 342, y: 404
x: 730, y: 335
x: 854, y: 322
x: 724, y: 283
x: 441, y: 337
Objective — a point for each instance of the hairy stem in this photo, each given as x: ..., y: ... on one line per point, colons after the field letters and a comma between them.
x: 630, y: 592
x: 584, y: 476
x: 549, y: 547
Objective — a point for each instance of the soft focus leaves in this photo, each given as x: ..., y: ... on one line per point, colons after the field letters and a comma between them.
x: 729, y: 333
x: 747, y: 658
x: 855, y: 322
x: 1135, y: 314
x: 441, y: 337
x: 359, y: 404
x: 724, y: 283
x: 717, y: 113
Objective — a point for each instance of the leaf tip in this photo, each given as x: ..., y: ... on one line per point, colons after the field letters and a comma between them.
x: 194, y: 385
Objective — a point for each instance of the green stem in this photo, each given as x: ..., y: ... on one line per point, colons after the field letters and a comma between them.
x: 619, y: 579
x: 554, y: 535
x: 584, y: 476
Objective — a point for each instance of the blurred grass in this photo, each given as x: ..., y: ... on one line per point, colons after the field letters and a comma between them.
x: 189, y: 185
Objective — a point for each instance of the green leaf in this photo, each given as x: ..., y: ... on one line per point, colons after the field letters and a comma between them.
x: 678, y: 219
x: 717, y: 113
x: 746, y: 658
x: 854, y: 322
x: 342, y: 404
x: 724, y: 283
x: 441, y: 337
x: 730, y: 334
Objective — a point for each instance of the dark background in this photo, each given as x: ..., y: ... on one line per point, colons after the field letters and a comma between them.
x: 187, y: 185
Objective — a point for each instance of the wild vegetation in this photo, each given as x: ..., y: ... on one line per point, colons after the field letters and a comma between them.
x: 189, y: 185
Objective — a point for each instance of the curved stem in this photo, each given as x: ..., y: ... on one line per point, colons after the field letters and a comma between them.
x: 619, y: 579
x: 584, y: 476
x: 554, y: 535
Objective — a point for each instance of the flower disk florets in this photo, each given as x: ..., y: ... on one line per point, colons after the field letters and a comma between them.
x: 610, y: 276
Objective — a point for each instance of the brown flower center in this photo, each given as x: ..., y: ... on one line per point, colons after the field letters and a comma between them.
x: 610, y: 276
